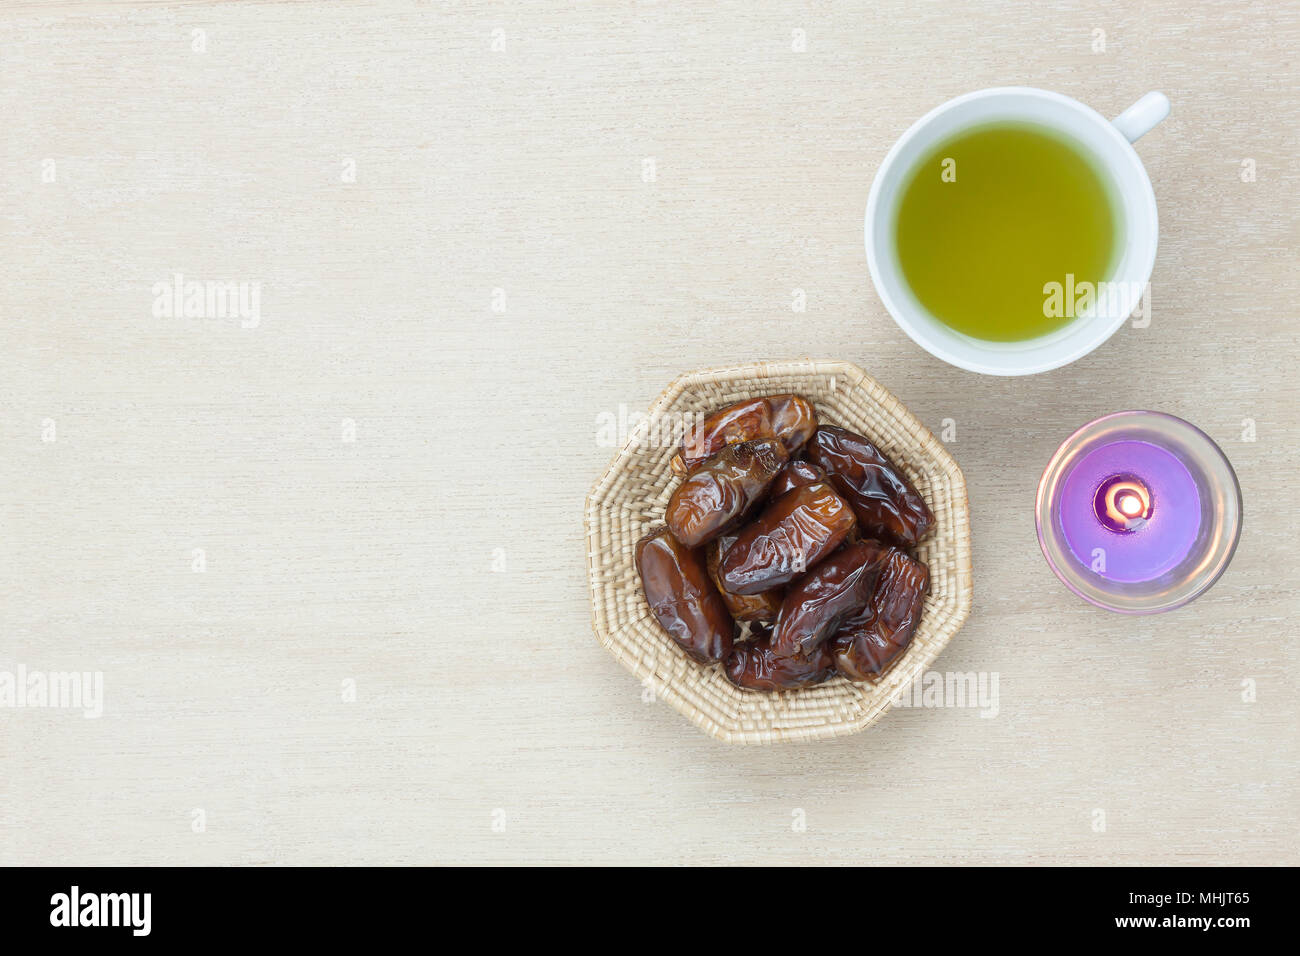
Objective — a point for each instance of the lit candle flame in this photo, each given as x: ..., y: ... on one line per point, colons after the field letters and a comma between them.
x: 1123, y: 503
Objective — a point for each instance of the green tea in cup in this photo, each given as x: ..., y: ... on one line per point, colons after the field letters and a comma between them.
x: 996, y: 214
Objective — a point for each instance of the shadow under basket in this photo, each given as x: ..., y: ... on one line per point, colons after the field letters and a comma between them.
x: 629, y: 501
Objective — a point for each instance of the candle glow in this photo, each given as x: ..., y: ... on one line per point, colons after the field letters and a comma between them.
x: 1096, y: 512
x: 1123, y: 503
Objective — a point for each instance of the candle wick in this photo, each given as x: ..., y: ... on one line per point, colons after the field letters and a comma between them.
x: 1123, y: 503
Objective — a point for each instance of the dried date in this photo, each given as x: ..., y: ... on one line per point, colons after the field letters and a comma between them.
x: 683, y: 599
x: 719, y: 494
x: 886, y: 504
x: 818, y: 603
x: 789, y: 418
x: 794, y: 421
x: 753, y: 666
x: 763, y: 606
x: 870, y: 642
x: 792, y: 534
x: 794, y: 475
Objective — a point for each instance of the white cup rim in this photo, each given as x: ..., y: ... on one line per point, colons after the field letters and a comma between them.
x: 977, y: 358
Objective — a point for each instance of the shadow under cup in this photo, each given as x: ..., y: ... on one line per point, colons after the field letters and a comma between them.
x: 1124, y: 179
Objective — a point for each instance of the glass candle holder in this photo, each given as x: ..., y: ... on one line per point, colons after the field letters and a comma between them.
x: 1138, y: 512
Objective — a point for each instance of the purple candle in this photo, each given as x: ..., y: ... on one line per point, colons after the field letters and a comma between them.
x: 1130, y: 511
x: 1138, y: 512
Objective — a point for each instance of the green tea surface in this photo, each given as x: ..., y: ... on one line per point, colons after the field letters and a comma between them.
x: 991, y: 216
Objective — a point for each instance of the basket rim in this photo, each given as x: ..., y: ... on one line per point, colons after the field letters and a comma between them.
x: 855, y: 376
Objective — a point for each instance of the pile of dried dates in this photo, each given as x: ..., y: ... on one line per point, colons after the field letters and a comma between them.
x: 799, y: 532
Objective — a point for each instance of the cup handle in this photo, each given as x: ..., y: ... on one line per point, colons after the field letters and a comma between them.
x: 1140, y: 118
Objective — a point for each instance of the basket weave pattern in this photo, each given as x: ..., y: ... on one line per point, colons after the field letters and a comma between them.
x: 629, y: 500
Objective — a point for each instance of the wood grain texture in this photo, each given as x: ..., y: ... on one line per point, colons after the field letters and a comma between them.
x: 438, y: 560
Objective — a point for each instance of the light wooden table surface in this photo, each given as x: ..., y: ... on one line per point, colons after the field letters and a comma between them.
x: 476, y: 229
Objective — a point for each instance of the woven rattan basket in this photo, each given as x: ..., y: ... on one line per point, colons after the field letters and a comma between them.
x: 629, y: 500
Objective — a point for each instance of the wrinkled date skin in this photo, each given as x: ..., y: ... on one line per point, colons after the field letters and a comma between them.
x: 820, y: 601
x: 794, y: 475
x: 792, y: 534
x: 743, y: 607
x: 793, y: 421
x: 886, y: 504
x: 743, y: 421
x: 789, y: 418
x: 683, y: 599
x: 719, y: 494
x: 753, y: 666
x: 870, y: 642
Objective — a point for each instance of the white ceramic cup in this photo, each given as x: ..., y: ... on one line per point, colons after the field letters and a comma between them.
x: 1109, y: 144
